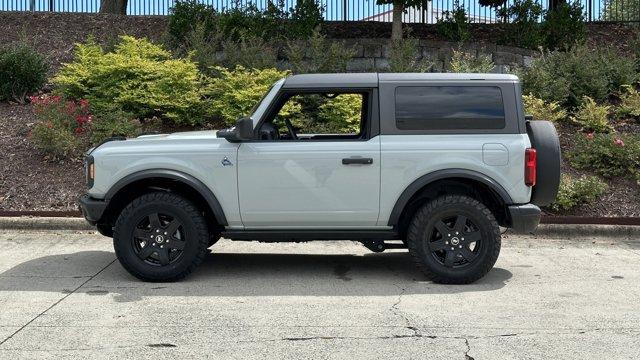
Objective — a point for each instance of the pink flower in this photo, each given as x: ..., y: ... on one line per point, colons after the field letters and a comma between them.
x: 590, y: 136
x: 618, y: 142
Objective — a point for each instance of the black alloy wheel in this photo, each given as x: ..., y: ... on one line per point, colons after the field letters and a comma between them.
x: 161, y: 236
x: 159, y: 239
x: 454, y: 239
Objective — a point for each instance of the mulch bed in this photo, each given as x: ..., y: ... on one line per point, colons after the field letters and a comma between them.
x: 29, y: 182
x: 622, y: 199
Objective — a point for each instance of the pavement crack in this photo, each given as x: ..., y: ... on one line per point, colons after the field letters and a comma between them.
x: 397, y: 312
x: 56, y: 303
x: 466, y: 353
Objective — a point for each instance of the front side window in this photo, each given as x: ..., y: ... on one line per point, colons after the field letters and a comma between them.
x: 449, y: 108
x: 317, y: 115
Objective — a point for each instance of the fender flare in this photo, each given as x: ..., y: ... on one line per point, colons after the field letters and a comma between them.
x: 175, y: 175
x: 425, y: 180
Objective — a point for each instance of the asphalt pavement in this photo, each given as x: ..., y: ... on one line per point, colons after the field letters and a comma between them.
x: 63, y: 295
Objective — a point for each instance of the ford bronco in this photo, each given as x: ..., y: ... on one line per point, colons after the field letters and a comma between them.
x: 435, y: 163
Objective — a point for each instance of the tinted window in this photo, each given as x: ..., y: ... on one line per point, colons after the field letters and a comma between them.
x: 449, y: 108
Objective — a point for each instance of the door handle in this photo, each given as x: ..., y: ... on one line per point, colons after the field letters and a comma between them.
x: 357, y: 160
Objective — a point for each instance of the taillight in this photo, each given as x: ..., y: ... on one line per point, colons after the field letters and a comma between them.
x: 530, y: 166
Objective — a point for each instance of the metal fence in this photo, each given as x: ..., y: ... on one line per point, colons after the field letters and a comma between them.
x: 341, y: 10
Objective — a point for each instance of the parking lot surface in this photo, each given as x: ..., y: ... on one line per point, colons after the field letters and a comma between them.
x: 63, y: 295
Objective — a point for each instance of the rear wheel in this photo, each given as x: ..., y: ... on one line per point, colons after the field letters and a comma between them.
x: 454, y: 239
x: 160, y: 237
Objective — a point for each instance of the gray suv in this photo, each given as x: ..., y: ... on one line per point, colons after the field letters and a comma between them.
x: 435, y: 163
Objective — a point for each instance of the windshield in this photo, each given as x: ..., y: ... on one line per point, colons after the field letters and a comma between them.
x: 253, y: 109
x: 259, y: 109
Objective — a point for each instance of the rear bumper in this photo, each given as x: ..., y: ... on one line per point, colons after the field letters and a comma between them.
x: 524, y: 218
x: 92, y: 209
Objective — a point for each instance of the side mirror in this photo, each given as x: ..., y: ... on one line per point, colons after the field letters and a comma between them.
x: 242, y: 131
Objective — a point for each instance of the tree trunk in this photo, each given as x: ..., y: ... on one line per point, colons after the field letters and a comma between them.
x: 396, y: 26
x: 553, y: 4
x: 113, y: 7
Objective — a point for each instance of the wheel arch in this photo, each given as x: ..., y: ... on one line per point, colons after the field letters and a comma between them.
x: 135, y: 184
x: 461, y: 181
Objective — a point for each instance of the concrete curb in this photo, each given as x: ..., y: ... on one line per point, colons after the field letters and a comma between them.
x: 44, y: 223
x: 574, y: 231
x: 544, y: 230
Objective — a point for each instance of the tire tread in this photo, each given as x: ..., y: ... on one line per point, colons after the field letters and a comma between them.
x: 201, y: 231
x: 422, y: 216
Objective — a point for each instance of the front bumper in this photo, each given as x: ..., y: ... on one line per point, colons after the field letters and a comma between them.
x: 524, y: 218
x: 92, y: 209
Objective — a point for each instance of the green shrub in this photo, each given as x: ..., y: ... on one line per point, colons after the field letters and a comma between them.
x: 405, y: 56
x: 593, y: 117
x: 629, y: 102
x: 564, y: 26
x: 22, y: 71
x: 233, y: 93
x: 318, y: 55
x: 110, y: 123
x: 522, y: 28
x: 274, y: 21
x: 203, y: 48
x: 250, y: 52
x: 139, y: 77
x: 542, y: 110
x: 61, y: 128
x: 462, y: 62
x: 454, y: 25
x: 573, y: 192
x: 609, y: 155
x: 186, y: 15
x: 566, y: 77
x: 306, y: 17
x: 342, y: 114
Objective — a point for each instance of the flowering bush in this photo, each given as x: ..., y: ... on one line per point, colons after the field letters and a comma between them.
x: 62, y: 125
x: 609, y: 155
x: 573, y: 192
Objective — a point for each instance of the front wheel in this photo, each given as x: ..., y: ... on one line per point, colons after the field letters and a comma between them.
x: 454, y: 239
x: 160, y: 236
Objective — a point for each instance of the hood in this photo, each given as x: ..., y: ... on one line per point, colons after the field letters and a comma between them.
x: 158, y: 143
x: 202, y: 134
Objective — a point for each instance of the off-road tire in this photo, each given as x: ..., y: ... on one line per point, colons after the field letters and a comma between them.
x: 192, y: 223
x: 423, y: 226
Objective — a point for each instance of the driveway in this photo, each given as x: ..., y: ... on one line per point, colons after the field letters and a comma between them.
x: 63, y: 294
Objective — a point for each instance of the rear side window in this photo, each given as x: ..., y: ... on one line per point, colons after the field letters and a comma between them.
x: 449, y: 108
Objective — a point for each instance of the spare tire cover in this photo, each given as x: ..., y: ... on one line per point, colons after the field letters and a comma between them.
x: 544, y: 139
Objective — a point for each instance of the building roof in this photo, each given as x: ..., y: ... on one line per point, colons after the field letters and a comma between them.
x: 356, y: 80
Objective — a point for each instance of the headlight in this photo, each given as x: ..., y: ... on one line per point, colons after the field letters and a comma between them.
x: 89, y: 171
